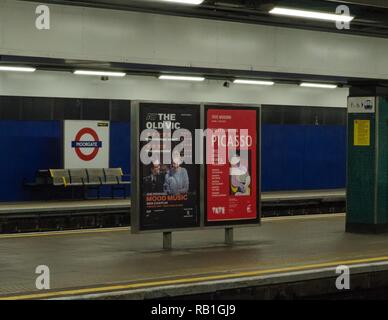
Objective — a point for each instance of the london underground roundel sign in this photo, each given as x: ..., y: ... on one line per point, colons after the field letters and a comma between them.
x: 81, y: 145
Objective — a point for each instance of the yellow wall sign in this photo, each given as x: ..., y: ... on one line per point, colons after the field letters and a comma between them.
x: 362, y: 132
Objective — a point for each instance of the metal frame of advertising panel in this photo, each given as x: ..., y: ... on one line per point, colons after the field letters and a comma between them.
x: 136, y: 177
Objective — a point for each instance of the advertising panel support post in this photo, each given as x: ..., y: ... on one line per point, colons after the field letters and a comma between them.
x: 229, y: 236
x: 167, y: 240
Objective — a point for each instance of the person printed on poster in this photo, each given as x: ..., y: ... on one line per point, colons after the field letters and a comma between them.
x: 177, y: 178
x: 154, y: 182
x: 240, y: 178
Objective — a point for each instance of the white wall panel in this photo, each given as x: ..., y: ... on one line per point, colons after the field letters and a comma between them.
x: 60, y: 84
x: 108, y: 35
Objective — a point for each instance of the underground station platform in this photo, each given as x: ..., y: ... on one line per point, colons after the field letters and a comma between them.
x: 286, y: 257
x: 193, y: 150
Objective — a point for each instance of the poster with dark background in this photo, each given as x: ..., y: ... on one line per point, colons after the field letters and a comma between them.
x: 169, y: 193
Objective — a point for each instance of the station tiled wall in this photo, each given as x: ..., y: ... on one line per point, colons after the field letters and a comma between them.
x: 294, y: 157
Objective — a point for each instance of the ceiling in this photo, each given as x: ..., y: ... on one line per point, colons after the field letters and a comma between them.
x: 371, y: 15
x: 371, y: 20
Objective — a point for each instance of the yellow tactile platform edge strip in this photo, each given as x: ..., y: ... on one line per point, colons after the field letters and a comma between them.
x: 117, y: 288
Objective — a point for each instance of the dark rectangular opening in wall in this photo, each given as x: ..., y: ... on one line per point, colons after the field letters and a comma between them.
x: 67, y: 108
x: 95, y: 109
x: 10, y: 108
x: 303, y: 115
x: 35, y: 108
x: 120, y: 110
x: 46, y: 108
x: 292, y: 115
x: 335, y: 116
x: 272, y: 115
x: 312, y: 116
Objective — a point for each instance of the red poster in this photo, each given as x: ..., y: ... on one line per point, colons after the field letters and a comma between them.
x: 231, y: 165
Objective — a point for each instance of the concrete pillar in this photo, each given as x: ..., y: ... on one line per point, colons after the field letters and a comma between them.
x: 367, y: 160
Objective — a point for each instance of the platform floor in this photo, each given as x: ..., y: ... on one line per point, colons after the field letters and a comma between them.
x: 97, y: 261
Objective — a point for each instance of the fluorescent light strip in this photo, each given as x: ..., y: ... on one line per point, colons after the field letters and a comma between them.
x: 318, y: 85
x: 17, y: 69
x: 311, y: 14
x: 181, y: 78
x: 195, y: 2
x: 99, y: 73
x: 256, y: 82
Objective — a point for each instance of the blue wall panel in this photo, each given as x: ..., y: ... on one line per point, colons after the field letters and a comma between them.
x: 303, y: 157
x: 120, y: 149
x: 27, y: 146
x: 120, y: 143
x: 294, y: 157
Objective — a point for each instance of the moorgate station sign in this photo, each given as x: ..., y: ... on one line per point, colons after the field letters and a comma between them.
x: 86, y: 144
x: 194, y: 167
